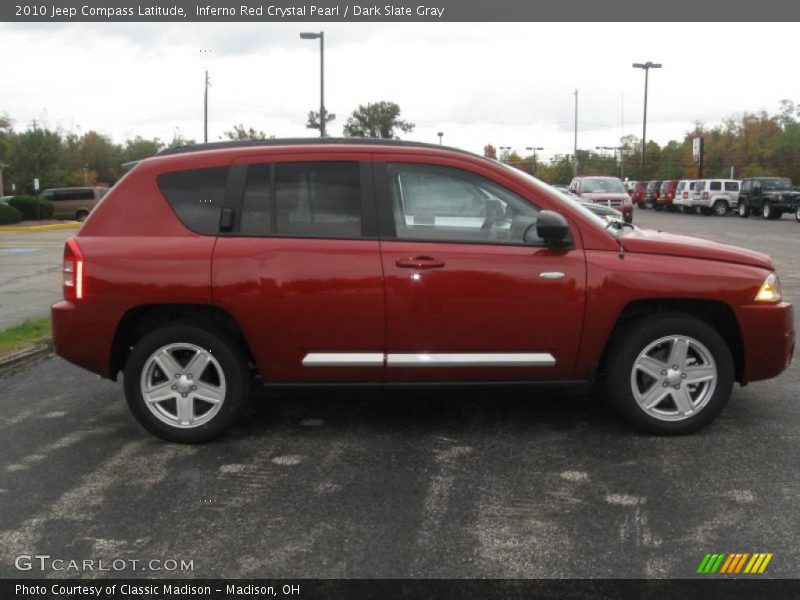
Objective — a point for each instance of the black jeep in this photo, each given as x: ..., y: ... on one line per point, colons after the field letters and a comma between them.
x: 768, y: 196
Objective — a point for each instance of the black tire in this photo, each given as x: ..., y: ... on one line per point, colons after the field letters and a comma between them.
x: 658, y: 207
x: 706, y: 211
x: 767, y: 211
x: 81, y: 215
x: 628, y: 217
x: 797, y: 213
x: 742, y: 210
x: 720, y: 208
x: 230, y: 358
x: 689, y: 210
x: 634, y: 339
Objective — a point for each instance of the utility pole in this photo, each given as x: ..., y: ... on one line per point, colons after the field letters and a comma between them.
x: 534, y: 148
x: 575, y: 146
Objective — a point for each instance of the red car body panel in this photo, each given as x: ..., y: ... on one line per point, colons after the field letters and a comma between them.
x: 293, y: 296
x: 639, y: 194
x: 668, y: 195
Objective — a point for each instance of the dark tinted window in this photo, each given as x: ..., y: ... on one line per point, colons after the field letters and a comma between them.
x: 731, y: 186
x: 310, y: 200
x: 318, y: 199
x: 715, y: 186
x: 256, y: 201
x: 196, y: 196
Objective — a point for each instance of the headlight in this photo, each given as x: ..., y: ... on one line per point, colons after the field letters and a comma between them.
x: 770, y: 290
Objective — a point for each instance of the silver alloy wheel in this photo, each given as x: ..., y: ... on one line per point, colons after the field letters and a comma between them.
x: 742, y: 208
x: 183, y: 385
x: 797, y: 214
x: 674, y: 378
x: 720, y: 208
x: 766, y: 210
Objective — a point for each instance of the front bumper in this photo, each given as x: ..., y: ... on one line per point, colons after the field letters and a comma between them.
x: 769, y: 339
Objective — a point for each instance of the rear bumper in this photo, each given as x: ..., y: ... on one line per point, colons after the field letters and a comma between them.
x: 769, y: 339
x: 82, y: 336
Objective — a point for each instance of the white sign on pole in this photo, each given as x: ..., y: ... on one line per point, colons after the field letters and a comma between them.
x: 696, y: 149
x: 36, y: 184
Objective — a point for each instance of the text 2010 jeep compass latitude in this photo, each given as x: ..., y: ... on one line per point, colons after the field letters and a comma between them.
x: 388, y: 262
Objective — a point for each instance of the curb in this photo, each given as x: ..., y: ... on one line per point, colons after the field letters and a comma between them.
x: 22, y: 359
x: 67, y: 225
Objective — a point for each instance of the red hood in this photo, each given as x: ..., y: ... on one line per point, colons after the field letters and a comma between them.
x: 594, y: 197
x: 657, y: 242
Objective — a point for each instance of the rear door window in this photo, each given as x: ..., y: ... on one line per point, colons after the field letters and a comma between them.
x: 731, y: 186
x: 310, y: 199
x: 715, y: 186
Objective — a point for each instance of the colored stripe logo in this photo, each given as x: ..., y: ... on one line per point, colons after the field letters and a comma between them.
x: 734, y: 562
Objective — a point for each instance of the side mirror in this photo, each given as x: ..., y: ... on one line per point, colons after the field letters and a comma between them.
x: 551, y: 228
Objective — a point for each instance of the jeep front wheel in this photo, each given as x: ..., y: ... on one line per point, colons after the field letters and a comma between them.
x: 767, y: 211
x: 670, y: 374
x: 797, y: 214
x: 185, y: 383
x: 744, y: 212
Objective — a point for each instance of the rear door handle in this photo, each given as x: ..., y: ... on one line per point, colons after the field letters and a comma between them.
x: 419, y: 262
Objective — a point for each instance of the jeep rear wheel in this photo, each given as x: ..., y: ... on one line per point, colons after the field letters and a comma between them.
x: 744, y: 212
x: 669, y: 374
x: 185, y: 383
x: 720, y: 208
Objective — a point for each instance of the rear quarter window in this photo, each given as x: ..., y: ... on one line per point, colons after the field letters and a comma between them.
x: 715, y: 186
x: 196, y: 196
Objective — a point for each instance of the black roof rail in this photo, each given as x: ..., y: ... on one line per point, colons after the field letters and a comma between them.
x: 304, y: 142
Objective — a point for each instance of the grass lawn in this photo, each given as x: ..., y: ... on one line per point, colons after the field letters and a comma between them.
x: 29, y: 333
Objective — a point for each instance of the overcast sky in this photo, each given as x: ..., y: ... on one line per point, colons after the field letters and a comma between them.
x: 504, y: 84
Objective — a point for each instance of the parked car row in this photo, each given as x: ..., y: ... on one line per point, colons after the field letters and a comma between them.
x: 769, y: 197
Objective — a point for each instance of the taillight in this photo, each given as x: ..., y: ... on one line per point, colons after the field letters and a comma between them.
x: 73, y: 270
x: 685, y: 195
x: 705, y: 195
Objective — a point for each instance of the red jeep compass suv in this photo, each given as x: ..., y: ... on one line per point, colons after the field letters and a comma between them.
x: 380, y: 262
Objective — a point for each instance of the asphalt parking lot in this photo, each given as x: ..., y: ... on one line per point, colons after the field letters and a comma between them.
x: 30, y: 263
x: 417, y: 484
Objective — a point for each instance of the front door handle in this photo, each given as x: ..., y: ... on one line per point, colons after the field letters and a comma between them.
x: 419, y: 262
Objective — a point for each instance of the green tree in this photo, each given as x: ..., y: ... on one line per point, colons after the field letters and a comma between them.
x: 376, y: 120
x: 139, y: 148
x: 36, y: 153
x: 313, y: 121
x: 241, y: 134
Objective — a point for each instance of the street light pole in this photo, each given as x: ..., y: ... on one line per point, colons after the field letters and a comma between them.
x: 205, y: 111
x: 534, y: 148
x: 321, y: 37
x: 646, y: 66
x: 508, y: 149
x: 575, y: 148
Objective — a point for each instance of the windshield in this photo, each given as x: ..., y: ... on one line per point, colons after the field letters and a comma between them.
x: 602, y: 186
x: 776, y: 184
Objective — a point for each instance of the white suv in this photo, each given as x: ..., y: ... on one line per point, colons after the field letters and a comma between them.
x: 684, y: 194
x: 716, y: 196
